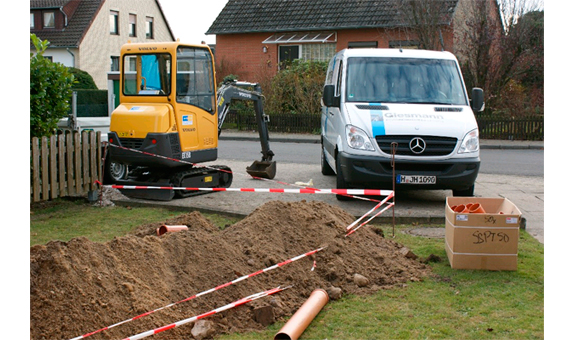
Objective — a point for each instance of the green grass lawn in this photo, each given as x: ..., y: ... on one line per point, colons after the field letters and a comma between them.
x: 451, y: 304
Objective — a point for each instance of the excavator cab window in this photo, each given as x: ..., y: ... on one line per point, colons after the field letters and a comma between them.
x: 194, y: 79
x: 147, y: 74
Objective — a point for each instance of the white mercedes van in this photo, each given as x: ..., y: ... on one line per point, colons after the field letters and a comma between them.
x: 410, y: 103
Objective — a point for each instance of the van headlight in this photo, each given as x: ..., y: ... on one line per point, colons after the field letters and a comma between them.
x: 358, y: 139
x: 470, y: 142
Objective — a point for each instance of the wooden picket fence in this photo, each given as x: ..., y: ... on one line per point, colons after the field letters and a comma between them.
x: 63, y: 165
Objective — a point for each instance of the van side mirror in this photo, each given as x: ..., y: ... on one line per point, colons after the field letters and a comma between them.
x: 329, y: 98
x: 477, y: 101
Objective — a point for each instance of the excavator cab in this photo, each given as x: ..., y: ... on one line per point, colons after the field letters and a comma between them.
x: 168, y: 121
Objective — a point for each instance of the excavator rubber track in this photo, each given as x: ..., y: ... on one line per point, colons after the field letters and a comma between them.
x: 215, y: 176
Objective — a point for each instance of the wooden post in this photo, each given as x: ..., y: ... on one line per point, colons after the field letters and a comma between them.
x: 62, y: 165
x: 35, y: 170
x: 44, y: 168
x: 78, y: 163
x: 70, y: 164
x: 85, y: 162
x: 53, y: 168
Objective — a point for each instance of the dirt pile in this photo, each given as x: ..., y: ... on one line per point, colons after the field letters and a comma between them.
x: 80, y: 286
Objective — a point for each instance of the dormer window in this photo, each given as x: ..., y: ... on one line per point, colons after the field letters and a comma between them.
x: 49, y: 20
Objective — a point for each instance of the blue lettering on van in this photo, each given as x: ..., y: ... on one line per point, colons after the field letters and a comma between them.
x: 377, y: 122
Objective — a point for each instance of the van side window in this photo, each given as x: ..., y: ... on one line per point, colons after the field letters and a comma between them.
x: 339, y: 76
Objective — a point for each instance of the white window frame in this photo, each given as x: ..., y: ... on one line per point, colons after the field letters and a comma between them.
x: 114, y: 22
x: 46, y: 21
x: 149, y: 27
x: 133, y: 26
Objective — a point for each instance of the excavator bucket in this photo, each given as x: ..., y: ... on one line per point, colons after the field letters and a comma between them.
x: 262, y: 169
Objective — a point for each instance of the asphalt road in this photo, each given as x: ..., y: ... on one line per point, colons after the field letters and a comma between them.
x: 493, y: 161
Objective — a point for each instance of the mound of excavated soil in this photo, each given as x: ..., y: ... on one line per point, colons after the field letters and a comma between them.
x: 80, y: 286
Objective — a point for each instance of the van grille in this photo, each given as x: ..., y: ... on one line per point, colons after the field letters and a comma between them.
x: 434, y: 146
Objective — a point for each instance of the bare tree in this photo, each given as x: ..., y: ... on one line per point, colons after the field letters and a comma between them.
x: 494, y: 47
x: 424, y: 18
x: 479, y: 42
x: 517, y: 43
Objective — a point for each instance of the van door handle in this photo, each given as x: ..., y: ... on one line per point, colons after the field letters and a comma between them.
x: 330, y: 112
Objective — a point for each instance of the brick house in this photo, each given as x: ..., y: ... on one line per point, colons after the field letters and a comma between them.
x: 253, y: 38
x: 89, y: 34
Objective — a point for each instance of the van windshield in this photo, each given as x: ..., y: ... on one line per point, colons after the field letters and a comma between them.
x: 404, y: 80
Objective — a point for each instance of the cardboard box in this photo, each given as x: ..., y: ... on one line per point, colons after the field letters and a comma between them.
x: 486, y: 241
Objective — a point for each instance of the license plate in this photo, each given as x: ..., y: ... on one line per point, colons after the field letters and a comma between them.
x: 402, y: 179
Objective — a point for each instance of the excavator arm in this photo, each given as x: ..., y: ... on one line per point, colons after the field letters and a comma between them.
x: 229, y: 91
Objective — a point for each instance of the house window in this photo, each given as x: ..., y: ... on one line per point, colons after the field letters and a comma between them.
x: 31, y: 20
x: 317, y: 52
x: 288, y: 53
x: 49, y: 20
x: 114, y: 22
x: 149, y: 28
x: 114, y: 63
x: 132, y: 27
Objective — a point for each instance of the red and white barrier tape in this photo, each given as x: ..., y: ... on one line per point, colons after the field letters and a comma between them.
x: 390, y: 196
x: 277, y: 265
x: 371, y: 218
x: 367, y: 192
x: 212, y: 312
x: 217, y: 169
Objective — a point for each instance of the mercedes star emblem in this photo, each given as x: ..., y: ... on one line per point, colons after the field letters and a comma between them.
x: 417, y: 145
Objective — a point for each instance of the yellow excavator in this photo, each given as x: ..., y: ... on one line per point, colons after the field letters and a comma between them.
x: 170, y: 117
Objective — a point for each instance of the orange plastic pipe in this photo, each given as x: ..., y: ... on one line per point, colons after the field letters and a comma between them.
x: 170, y: 228
x: 476, y: 209
x: 461, y: 209
x: 304, y: 316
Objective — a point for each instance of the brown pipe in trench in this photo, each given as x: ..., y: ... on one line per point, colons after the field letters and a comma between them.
x: 170, y: 228
x: 304, y: 316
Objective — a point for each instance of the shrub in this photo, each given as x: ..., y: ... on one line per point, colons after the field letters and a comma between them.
x: 50, y: 91
x: 82, y: 80
x: 297, y: 88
